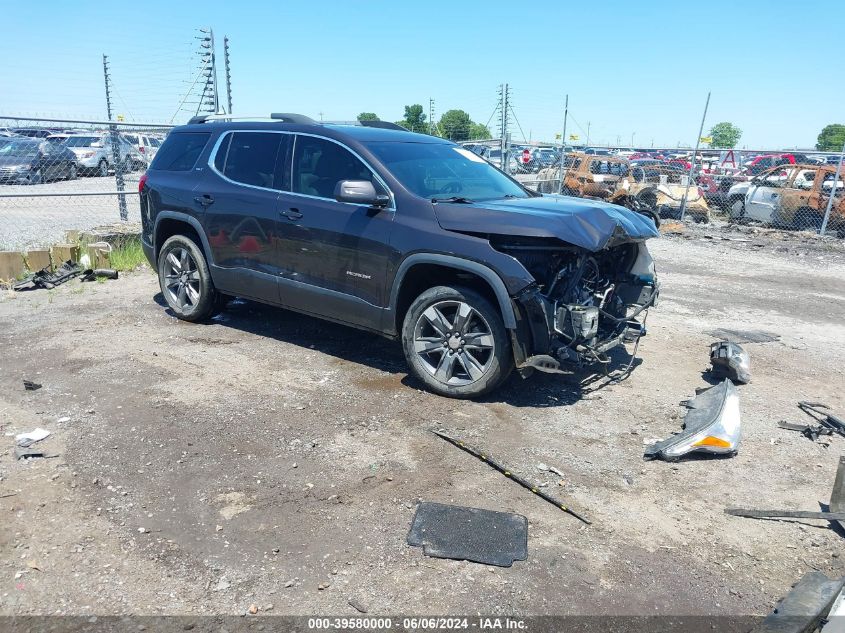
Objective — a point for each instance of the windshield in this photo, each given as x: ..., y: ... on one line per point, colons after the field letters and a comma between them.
x: 439, y: 171
x: 22, y: 148
x: 81, y: 141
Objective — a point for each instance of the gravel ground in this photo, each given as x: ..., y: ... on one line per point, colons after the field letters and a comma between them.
x: 269, y: 459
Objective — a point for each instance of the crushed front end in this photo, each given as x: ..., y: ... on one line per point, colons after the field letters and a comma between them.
x: 582, y: 303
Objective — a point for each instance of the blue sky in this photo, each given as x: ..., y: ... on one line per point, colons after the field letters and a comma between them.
x: 641, y: 68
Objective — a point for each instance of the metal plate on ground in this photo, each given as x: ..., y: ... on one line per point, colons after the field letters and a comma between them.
x: 462, y: 533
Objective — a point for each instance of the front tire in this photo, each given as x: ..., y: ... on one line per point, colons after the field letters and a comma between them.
x: 103, y: 168
x: 185, y: 280
x: 455, y: 342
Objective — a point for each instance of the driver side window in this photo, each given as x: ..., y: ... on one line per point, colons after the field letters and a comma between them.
x: 319, y: 164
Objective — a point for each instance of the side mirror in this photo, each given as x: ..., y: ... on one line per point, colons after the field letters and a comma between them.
x: 359, y: 192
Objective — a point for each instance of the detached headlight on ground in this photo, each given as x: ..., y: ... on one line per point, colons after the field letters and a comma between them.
x: 712, y: 425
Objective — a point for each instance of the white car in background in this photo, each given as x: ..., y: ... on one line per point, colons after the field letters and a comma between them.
x: 95, y: 154
x: 146, y: 145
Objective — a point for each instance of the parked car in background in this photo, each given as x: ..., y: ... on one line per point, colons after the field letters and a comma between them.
x: 31, y: 161
x: 597, y: 151
x: 36, y: 132
x: 759, y: 164
x: 95, y: 154
x: 647, y: 186
x: 792, y: 196
x: 145, y: 145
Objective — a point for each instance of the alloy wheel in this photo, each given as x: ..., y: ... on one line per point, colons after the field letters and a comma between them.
x: 182, y: 278
x: 454, y: 342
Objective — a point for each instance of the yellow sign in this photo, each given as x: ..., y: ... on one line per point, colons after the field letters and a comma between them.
x: 557, y: 137
x: 573, y: 137
x: 706, y: 139
x: 120, y: 117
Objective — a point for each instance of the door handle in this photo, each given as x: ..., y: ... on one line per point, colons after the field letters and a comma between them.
x: 204, y: 200
x: 291, y: 214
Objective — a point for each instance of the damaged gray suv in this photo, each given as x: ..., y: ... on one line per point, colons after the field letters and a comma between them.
x: 403, y: 234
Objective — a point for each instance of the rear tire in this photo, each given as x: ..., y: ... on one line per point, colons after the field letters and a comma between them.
x: 456, y: 343
x: 185, y: 280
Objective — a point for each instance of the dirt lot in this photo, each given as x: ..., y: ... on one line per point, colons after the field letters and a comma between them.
x: 270, y: 459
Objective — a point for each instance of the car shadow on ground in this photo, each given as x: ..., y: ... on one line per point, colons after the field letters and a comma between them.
x: 350, y: 344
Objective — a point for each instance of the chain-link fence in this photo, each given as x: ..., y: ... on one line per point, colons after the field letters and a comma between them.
x: 788, y: 190
x: 60, y: 175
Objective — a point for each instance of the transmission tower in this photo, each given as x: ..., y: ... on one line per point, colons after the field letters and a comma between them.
x: 504, y: 113
x: 209, y: 99
x: 228, y: 72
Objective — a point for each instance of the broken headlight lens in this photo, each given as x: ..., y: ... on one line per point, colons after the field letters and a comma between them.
x: 712, y: 425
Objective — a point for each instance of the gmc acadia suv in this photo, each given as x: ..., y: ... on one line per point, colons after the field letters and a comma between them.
x: 403, y: 234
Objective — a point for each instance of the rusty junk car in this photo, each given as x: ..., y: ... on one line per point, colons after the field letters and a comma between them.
x: 652, y: 188
x: 792, y: 197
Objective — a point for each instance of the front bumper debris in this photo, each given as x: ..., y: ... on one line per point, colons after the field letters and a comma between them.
x: 711, y: 425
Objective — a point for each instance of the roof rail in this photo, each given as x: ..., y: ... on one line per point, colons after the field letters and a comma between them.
x: 289, y: 117
x: 385, y: 125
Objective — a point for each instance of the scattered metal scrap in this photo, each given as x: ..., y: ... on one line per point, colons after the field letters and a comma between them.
x: 711, y: 425
x: 507, y: 472
x: 805, y: 607
x: 31, y: 386
x: 461, y: 533
x: 48, y: 280
x: 731, y: 361
x: 828, y: 424
x: 836, y: 505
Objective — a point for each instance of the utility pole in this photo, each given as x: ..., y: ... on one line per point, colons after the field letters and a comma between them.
x: 823, y: 228
x: 115, y: 146
x: 228, y: 72
x: 694, y: 156
x: 431, y: 116
x: 588, y: 134
x: 503, y: 104
x: 563, y: 145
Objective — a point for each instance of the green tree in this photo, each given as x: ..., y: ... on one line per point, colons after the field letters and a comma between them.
x: 414, y: 119
x: 832, y: 138
x: 479, y: 131
x: 725, y: 135
x: 455, y: 125
x: 368, y: 116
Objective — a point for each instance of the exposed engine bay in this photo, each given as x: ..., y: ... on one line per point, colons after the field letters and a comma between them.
x: 582, y: 303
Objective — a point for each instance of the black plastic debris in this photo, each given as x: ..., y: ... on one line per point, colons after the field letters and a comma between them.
x: 48, y: 280
x: 98, y: 273
x: 729, y: 360
x: 28, y: 452
x: 31, y: 386
x: 462, y: 533
x: 804, y: 607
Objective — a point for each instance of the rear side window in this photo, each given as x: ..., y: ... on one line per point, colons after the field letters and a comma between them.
x: 250, y: 158
x: 180, y: 151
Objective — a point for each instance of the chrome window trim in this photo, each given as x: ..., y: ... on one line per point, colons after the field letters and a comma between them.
x: 219, y: 142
